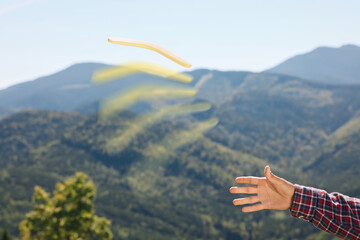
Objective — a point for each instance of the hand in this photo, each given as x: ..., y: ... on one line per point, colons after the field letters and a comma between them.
x: 272, y: 192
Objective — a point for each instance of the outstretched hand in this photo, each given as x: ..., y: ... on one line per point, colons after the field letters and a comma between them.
x: 271, y: 192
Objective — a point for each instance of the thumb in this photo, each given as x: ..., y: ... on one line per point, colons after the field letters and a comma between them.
x: 269, y: 175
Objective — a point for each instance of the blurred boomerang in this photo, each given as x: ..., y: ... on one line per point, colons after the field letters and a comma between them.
x: 136, y: 127
x: 150, y: 46
x: 150, y: 92
x: 110, y: 74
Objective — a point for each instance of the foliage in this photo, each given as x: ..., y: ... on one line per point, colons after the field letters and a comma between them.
x: 5, y: 235
x: 69, y: 214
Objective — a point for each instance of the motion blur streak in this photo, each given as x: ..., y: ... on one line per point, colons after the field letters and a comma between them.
x: 119, y: 143
x: 112, y: 73
x: 144, y: 92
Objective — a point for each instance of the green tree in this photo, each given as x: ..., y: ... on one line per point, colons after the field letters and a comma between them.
x: 5, y: 235
x: 69, y: 214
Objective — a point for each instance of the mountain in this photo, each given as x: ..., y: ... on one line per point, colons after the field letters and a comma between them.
x: 329, y: 65
x: 59, y: 91
x: 71, y: 89
x: 171, y: 180
x: 67, y: 90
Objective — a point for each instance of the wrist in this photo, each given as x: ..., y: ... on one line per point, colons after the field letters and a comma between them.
x: 291, y: 195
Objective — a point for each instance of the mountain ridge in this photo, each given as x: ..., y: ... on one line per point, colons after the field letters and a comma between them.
x: 71, y: 89
x: 326, y: 64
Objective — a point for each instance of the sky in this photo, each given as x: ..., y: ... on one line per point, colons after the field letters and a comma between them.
x: 41, y: 37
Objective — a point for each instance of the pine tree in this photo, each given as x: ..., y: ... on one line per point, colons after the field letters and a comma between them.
x: 69, y: 214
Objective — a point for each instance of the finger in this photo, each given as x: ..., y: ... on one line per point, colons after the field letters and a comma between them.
x: 270, y: 176
x: 247, y: 200
x: 249, y: 180
x: 254, y: 208
x: 247, y: 190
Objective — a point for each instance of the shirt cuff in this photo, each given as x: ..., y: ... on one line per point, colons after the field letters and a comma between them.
x: 304, y: 203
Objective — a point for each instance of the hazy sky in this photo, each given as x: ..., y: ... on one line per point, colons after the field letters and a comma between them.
x: 39, y: 37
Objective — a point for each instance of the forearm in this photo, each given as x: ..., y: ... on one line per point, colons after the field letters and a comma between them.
x: 334, y: 213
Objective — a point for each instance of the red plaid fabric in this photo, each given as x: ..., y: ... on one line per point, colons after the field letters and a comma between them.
x: 332, y: 212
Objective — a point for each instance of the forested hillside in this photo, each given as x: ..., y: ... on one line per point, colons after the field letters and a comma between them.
x: 184, y: 195
x: 171, y: 179
x: 281, y: 118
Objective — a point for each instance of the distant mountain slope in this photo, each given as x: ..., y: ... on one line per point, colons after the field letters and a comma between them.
x: 59, y: 91
x: 71, y: 89
x: 67, y: 90
x: 325, y: 64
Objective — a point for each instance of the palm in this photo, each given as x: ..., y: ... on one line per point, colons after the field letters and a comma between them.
x: 271, y: 195
x: 271, y: 192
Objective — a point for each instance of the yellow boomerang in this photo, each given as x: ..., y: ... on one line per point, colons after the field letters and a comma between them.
x: 150, y: 46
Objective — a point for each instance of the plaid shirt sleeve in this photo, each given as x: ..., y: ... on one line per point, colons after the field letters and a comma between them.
x: 332, y: 212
